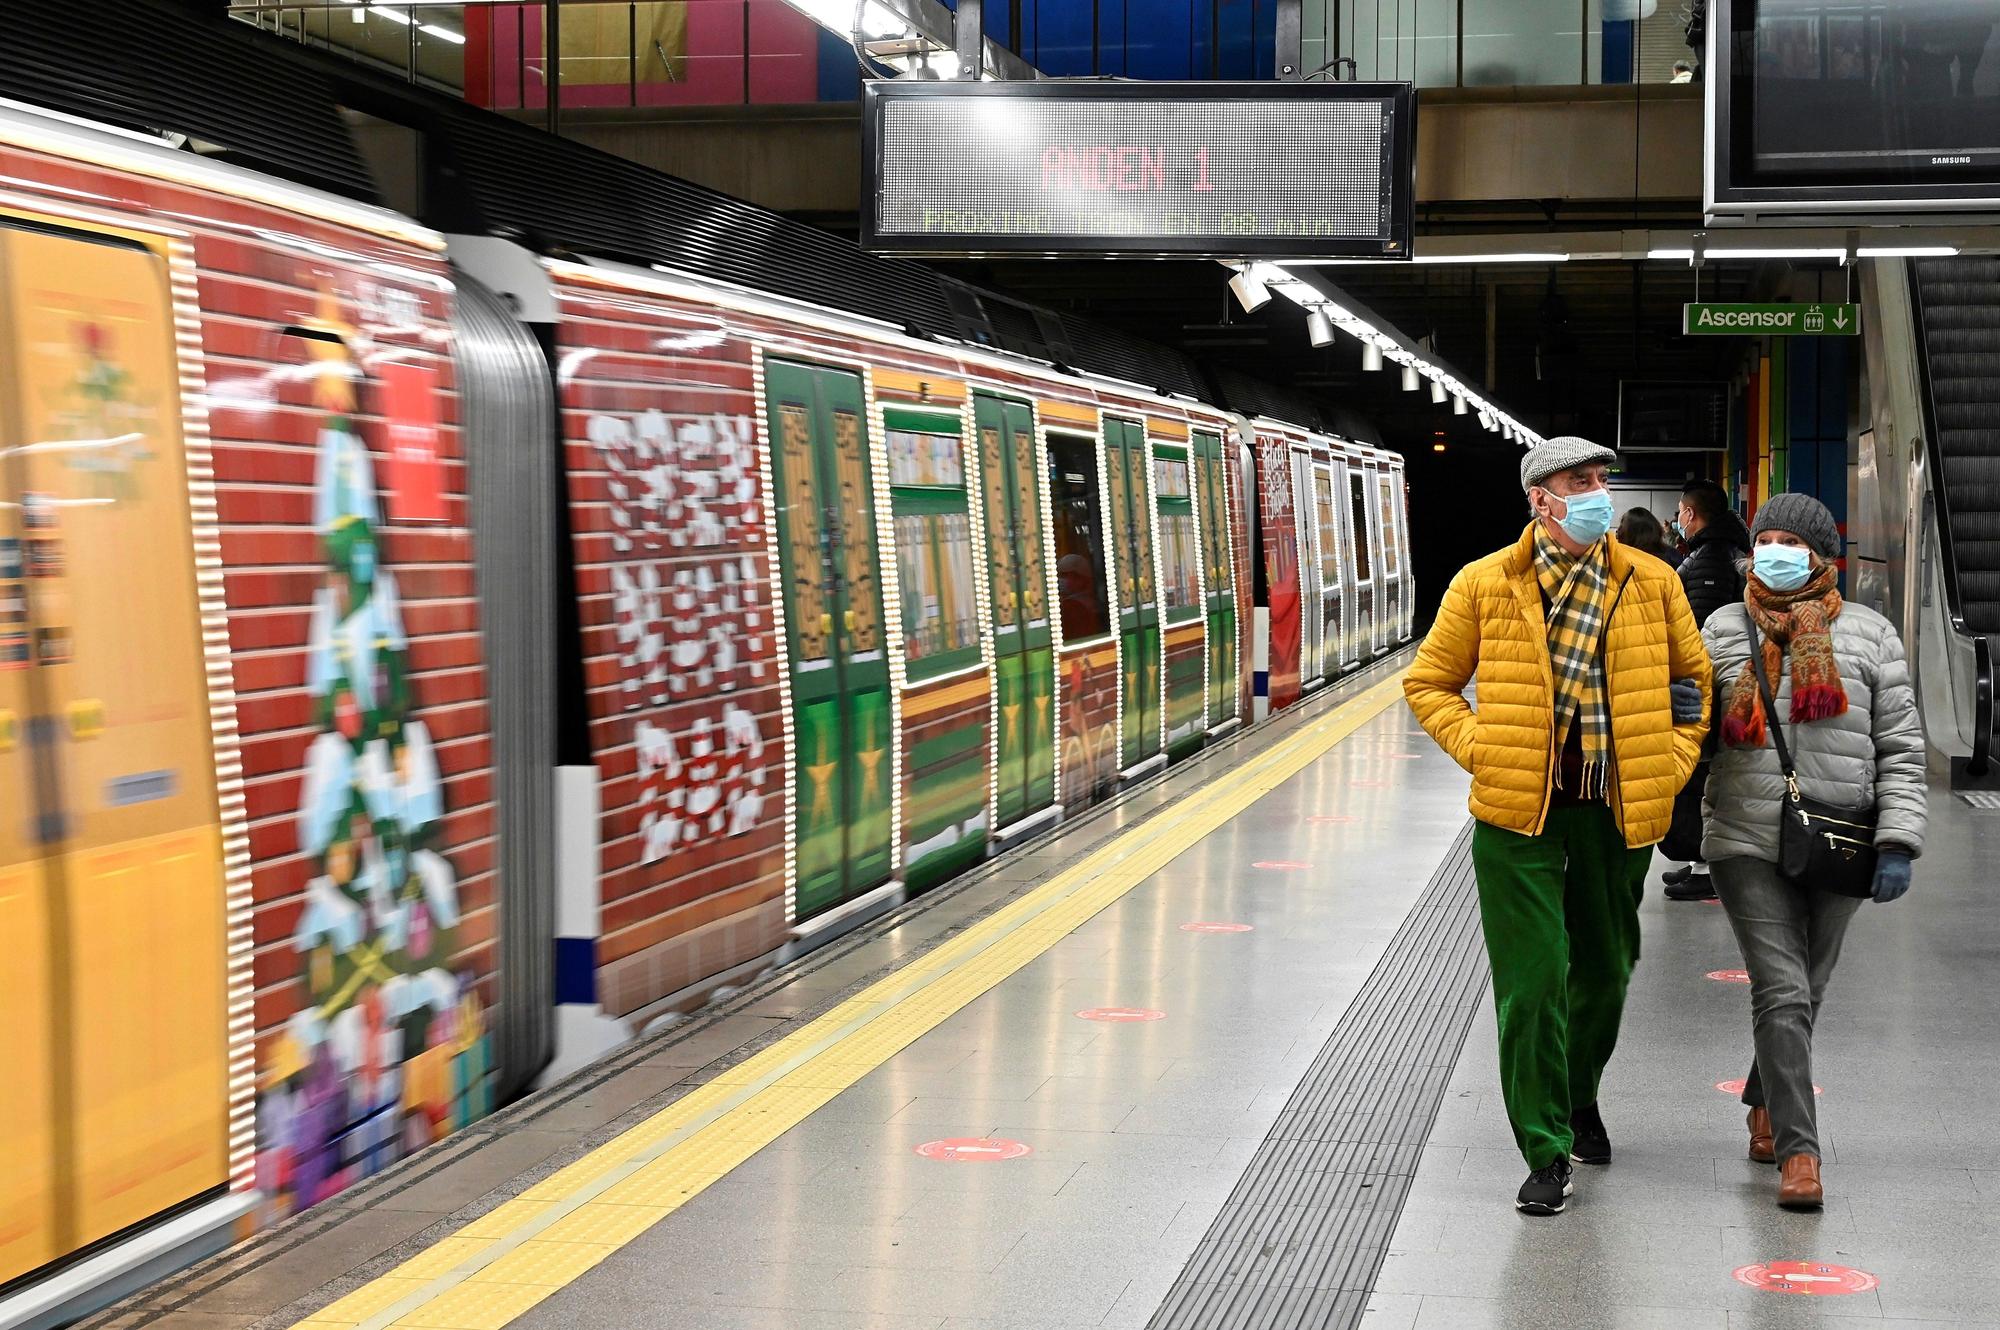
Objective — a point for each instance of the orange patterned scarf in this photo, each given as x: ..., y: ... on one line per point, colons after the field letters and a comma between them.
x: 1798, y: 622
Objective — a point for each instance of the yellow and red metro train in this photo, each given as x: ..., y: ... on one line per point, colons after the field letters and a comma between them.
x: 425, y: 656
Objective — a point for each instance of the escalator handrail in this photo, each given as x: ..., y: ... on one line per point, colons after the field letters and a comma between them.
x: 1982, y: 649
x: 1934, y: 454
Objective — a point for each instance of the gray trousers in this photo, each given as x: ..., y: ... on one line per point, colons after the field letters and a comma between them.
x: 1790, y: 938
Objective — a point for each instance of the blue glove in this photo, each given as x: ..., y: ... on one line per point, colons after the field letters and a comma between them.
x: 1892, y: 874
x: 1686, y: 694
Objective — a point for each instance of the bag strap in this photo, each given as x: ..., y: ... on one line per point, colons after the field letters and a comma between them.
x: 1771, y: 708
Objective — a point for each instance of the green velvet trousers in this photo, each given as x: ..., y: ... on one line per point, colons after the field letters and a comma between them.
x: 1561, y: 917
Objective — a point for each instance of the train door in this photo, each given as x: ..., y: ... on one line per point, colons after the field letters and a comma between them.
x: 1392, y: 556
x: 1312, y: 622
x: 1328, y: 527
x: 1343, y: 525
x: 113, y: 995
x: 1366, y: 604
x: 1221, y: 608
x: 1138, y: 601
x: 1024, y: 661
x: 1180, y: 594
x: 1378, y: 543
x: 833, y: 621
x: 1407, y: 628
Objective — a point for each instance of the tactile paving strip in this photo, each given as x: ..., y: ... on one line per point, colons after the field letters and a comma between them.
x: 1300, y: 1240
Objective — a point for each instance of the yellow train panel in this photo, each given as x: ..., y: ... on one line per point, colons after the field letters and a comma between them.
x: 27, y: 1110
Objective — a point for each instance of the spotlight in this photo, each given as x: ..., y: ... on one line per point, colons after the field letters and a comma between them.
x: 1437, y: 392
x: 1458, y: 406
x: 1371, y: 357
x: 1409, y: 378
x: 1437, y: 447
x: 1250, y: 293
x: 1319, y: 327
x: 1486, y: 419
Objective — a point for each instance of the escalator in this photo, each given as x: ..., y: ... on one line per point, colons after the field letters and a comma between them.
x: 1931, y: 490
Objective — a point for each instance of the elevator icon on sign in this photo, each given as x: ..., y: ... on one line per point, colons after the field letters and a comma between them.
x: 1815, y: 319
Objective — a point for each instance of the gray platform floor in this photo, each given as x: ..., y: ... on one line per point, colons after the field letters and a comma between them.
x: 1905, y: 1051
x: 1140, y: 1131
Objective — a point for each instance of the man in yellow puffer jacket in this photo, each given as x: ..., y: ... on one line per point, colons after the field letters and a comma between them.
x: 1592, y: 701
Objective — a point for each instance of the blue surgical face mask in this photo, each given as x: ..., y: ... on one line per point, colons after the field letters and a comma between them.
x: 1587, y: 516
x: 1782, y: 567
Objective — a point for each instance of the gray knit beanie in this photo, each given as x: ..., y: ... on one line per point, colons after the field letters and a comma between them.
x: 1553, y: 455
x: 1803, y: 516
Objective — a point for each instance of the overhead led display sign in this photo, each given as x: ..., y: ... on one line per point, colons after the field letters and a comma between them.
x: 1223, y: 170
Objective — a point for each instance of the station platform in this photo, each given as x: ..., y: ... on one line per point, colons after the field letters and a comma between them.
x: 1220, y: 1054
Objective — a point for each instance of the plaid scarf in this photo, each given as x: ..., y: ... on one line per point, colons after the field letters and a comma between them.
x: 1578, y: 591
x: 1795, y: 622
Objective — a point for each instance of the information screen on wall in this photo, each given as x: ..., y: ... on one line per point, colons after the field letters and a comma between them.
x: 1858, y: 108
x: 1297, y: 170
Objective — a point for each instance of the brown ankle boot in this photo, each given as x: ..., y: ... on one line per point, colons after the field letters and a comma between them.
x: 1798, y: 1183
x: 1762, y: 1148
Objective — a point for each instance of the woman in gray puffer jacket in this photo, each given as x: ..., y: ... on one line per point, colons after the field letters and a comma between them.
x: 1843, y: 693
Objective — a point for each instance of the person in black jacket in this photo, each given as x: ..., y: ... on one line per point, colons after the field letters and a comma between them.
x: 1716, y: 539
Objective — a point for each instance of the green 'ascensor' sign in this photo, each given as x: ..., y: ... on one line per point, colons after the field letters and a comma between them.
x: 1715, y: 320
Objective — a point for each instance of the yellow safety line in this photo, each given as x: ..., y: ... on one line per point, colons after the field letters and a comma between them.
x: 503, y: 1263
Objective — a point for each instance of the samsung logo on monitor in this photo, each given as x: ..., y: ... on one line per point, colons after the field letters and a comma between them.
x: 1951, y: 161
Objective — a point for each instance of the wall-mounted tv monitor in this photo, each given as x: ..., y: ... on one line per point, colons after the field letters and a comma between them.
x: 1853, y: 108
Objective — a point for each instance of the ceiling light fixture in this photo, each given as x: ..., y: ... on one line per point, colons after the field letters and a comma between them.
x: 1410, y: 379
x: 1437, y: 392
x: 1371, y: 357
x: 1250, y: 292
x: 1319, y: 327
x: 1458, y: 404
x: 1907, y: 252
x: 1836, y: 255
x: 1490, y: 258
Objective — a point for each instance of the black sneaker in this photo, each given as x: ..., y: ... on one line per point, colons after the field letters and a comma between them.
x: 1673, y: 877
x: 1693, y: 887
x: 1546, y: 1191
x: 1589, y: 1142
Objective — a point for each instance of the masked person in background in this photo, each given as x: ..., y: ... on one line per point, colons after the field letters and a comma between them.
x: 1592, y: 699
x: 1835, y: 694
x: 1717, y: 543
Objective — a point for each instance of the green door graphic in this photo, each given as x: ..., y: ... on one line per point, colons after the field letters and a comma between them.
x: 1024, y: 662
x: 1220, y: 579
x: 1138, y: 601
x: 833, y: 614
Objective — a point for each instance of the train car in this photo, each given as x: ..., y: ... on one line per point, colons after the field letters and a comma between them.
x: 253, y: 914
x: 374, y: 776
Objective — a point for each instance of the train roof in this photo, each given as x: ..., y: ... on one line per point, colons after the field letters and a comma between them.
x: 278, y: 107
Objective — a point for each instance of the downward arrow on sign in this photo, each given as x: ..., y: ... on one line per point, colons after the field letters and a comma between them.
x: 1841, y: 322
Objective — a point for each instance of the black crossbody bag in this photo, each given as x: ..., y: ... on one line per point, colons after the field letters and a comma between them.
x: 1820, y: 846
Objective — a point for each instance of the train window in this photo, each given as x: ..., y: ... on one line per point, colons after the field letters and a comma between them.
x: 1362, y: 545
x: 933, y: 541
x: 1181, y: 590
x: 1079, y: 533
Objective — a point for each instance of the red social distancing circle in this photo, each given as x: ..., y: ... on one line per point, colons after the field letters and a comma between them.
x: 1730, y: 976
x: 1281, y: 865
x: 1199, y: 927
x: 1736, y: 1087
x: 1807, y: 1277
x: 974, y: 1150
x: 1122, y: 1015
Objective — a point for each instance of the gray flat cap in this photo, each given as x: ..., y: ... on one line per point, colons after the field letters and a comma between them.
x: 1803, y: 516
x: 1553, y: 455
